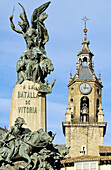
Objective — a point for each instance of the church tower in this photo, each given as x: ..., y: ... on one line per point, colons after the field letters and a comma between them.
x: 84, y: 127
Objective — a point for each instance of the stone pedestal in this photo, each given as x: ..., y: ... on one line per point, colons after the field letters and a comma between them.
x: 29, y: 103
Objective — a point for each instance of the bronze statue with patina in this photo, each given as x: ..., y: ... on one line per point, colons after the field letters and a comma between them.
x: 33, y: 64
x: 13, y: 136
x: 31, y: 36
x: 35, y: 147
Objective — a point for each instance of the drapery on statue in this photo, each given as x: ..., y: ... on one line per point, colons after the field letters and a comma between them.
x: 34, y: 148
x: 33, y: 64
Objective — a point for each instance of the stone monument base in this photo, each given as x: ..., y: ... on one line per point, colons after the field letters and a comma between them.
x: 29, y: 103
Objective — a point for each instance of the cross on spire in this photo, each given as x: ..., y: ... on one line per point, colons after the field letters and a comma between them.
x: 85, y: 20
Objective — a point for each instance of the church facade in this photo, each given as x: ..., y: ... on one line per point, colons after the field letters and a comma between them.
x: 84, y: 127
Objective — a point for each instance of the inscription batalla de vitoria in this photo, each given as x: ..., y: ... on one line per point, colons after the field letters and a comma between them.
x: 28, y: 96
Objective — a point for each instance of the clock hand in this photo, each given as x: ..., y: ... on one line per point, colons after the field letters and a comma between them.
x: 84, y: 86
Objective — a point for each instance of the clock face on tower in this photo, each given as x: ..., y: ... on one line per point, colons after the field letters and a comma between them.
x: 85, y: 88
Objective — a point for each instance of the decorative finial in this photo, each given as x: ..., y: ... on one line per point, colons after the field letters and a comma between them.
x: 85, y: 20
x: 99, y: 75
x: 70, y: 73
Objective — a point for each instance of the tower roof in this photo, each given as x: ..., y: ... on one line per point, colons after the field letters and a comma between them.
x: 85, y: 73
x: 85, y: 46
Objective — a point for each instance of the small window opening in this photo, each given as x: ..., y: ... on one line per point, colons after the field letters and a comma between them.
x: 71, y: 100
x: 85, y: 61
x: 97, y: 106
x: 98, y: 92
x: 83, y: 149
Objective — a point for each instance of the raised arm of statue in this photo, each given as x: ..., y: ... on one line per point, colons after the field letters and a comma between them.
x: 13, y: 26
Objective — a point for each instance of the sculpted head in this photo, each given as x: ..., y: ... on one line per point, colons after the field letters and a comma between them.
x: 49, y: 66
x: 46, y: 66
x: 23, y: 25
x: 19, y: 122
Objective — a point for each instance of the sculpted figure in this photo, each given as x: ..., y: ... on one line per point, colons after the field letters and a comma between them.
x: 31, y: 36
x: 37, y: 147
x: 28, y: 65
x: 13, y: 136
x: 33, y: 64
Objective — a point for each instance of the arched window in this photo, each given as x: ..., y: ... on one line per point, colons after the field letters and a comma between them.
x: 84, y: 109
x: 98, y: 91
x: 85, y: 61
x: 80, y: 62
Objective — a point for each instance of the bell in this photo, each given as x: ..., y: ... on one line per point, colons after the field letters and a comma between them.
x: 84, y: 111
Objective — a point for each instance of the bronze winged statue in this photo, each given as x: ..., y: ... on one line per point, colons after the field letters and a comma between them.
x: 33, y: 64
x: 32, y: 37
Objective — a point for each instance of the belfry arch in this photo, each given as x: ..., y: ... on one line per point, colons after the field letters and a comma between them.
x: 84, y: 109
x: 97, y: 106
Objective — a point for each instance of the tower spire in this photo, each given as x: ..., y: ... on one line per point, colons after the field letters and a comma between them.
x: 85, y: 55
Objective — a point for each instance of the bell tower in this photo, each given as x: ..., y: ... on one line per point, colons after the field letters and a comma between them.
x: 84, y: 127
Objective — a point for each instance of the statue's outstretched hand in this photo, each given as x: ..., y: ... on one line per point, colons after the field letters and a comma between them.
x: 11, y: 17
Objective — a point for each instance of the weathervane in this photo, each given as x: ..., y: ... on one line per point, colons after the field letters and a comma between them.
x: 85, y: 20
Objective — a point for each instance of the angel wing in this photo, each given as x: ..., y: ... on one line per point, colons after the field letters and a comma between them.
x: 37, y: 13
x: 23, y: 15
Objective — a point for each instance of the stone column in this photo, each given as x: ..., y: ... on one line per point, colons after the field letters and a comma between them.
x: 30, y: 104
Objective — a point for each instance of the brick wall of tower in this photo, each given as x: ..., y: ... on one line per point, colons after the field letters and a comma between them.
x: 89, y: 136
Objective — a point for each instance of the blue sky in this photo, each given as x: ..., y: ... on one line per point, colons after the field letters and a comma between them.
x: 65, y: 29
